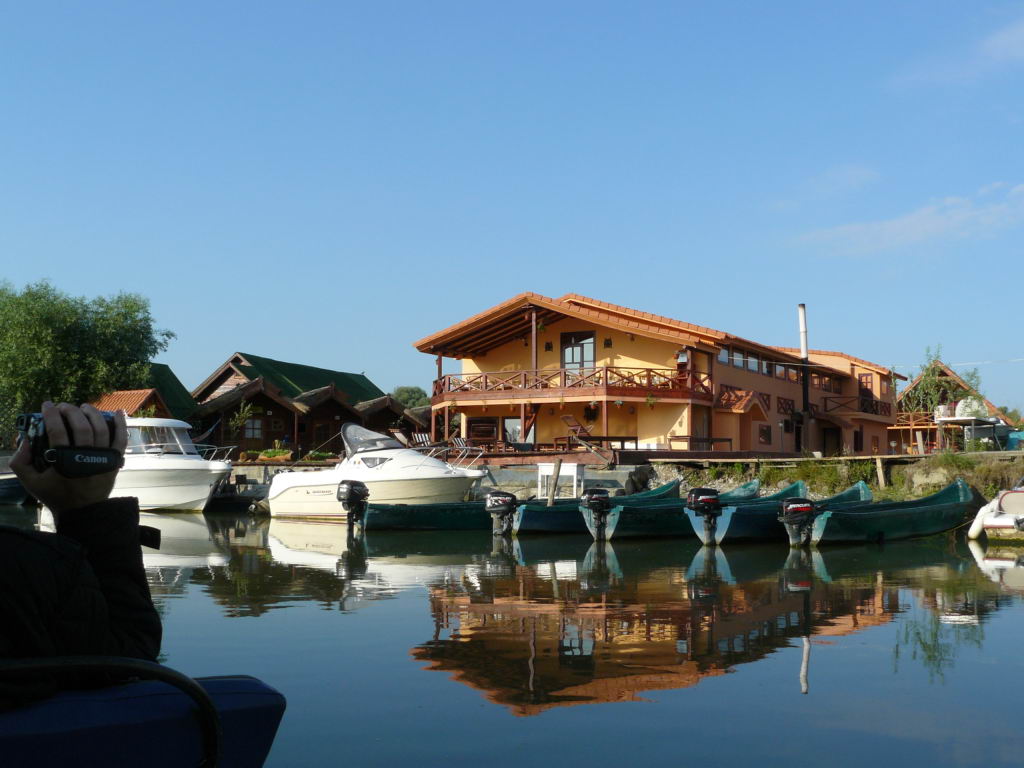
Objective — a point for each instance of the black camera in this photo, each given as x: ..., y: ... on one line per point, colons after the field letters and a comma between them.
x: 69, y: 461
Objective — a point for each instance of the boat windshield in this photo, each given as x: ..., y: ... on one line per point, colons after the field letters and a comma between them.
x: 358, y: 439
x: 159, y: 440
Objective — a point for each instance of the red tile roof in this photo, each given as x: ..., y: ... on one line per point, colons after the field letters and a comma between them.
x: 131, y: 401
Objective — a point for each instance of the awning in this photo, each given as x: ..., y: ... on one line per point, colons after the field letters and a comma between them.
x: 741, y: 401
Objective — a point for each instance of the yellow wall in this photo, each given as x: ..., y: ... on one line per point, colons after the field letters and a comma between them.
x: 640, y: 352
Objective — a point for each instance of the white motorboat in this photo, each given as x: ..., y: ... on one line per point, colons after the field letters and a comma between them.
x: 165, y: 470
x: 1001, y: 518
x: 394, y: 474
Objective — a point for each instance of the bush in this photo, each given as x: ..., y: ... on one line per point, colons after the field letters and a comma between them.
x: 318, y: 456
x: 273, y: 453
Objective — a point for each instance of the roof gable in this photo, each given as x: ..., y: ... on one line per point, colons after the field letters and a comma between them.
x: 178, y: 399
x: 293, y: 379
x: 131, y: 401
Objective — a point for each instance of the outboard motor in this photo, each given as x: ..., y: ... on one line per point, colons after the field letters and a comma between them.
x: 798, y: 516
x: 353, y: 496
x: 502, y: 508
x: 597, y: 502
x: 705, y: 503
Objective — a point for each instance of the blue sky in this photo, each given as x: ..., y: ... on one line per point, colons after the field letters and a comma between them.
x: 326, y: 182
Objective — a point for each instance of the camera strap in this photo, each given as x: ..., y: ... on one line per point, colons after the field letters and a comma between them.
x: 73, y: 462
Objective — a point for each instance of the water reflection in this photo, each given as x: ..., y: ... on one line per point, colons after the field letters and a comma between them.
x: 611, y: 624
x: 558, y: 621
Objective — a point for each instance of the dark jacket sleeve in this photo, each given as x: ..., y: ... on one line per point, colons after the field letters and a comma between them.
x: 109, y: 597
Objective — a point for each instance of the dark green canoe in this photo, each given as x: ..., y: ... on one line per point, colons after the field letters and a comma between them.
x: 668, y: 517
x: 471, y: 515
x: 885, y: 521
x: 564, y: 516
x: 758, y: 519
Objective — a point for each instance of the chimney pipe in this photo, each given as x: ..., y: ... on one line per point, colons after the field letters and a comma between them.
x: 802, y: 309
x: 805, y: 380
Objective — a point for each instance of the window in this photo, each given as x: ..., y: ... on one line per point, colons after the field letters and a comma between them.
x: 767, y: 367
x: 253, y: 429
x: 752, y: 362
x: 780, y: 371
x: 723, y: 356
x: 578, y: 349
x: 737, y: 358
x: 865, y: 381
x: 792, y: 373
x: 885, y: 385
x: 816, y: 381
x: 858, y: 440
x: 764, y: 434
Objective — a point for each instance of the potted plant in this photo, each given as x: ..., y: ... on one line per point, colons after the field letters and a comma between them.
x: 650, y: 400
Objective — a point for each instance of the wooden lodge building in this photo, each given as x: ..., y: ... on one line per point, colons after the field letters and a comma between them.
x: 301, y: 406
x: 165, y: 398
x: 956, y: 405
x: 537, y: 372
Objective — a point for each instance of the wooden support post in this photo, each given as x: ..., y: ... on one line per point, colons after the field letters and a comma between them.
x: 533, y: 339
x: 553, y: 485
x: 522, y: 422
x: 604, y: 417
x: 880, y: 471
x: 447, y: 423
x: 920, y: 442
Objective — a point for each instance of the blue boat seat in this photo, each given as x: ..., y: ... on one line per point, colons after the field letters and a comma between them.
x: 147, y: 723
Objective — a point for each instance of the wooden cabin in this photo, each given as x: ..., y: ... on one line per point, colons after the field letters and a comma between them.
x: 300, y: 406
x: 537, y: 373
x: 135, y: 402
x: 936, y: 420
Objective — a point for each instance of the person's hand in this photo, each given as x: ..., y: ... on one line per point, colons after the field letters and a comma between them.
x: 83, y: 427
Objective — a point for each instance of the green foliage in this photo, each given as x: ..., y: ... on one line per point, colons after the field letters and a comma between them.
x: 956, y: 462
x: 273, y: 453
x: 65, y: 348
x: 934, y: 388
x: 411, y: 397
x: 238, y: 418
x: 1012, y: 415
x: 318, y: 456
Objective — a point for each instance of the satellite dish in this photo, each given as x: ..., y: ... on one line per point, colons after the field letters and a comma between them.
x: 971, y: 406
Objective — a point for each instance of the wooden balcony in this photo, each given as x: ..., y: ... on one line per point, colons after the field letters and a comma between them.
x: 604, y: 382
x: 857, y: 404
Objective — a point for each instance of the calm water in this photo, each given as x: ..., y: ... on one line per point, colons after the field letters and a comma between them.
x: 437, y: 649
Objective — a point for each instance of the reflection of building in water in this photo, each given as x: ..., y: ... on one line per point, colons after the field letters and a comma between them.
x: 540, y: 638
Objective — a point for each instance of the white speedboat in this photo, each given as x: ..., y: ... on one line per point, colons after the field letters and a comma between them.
x: 393, y: 473
x: 1001, y: 518
x: 163, y: 469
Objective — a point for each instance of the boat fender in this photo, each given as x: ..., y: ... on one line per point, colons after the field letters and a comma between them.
x: 978, y: 526
x: 501, y: 506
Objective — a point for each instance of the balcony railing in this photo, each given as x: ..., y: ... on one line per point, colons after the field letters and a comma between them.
x: 858, y: 404
x: 624, y: 381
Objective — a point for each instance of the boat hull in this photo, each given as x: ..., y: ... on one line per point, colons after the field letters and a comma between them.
x: 563, y: 516
x: 319, y: 499
x: 663, y: 520
x: 444, y: 516
x: 758, y: 520
x: 178, y: 487
x: 934, y: 514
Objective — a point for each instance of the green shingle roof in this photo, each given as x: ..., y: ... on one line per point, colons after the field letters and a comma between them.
x: 294, y: 379
x: 178, y: 399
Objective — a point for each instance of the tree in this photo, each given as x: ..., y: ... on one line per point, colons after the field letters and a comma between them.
x: 411, y: 397
x: 1012, y: 415
x: 934, y: 388
x: 59, y: 347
